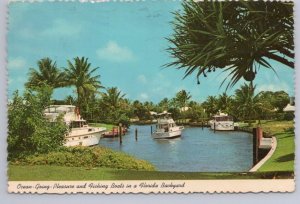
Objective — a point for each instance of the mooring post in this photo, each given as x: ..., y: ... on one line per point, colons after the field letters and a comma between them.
x: 214, y: 127
x: 259, y: 133
x: 120, y: 133
x: 255, y: 146
x: 202, y: 124
x: 135, y: 134
x: 151, y: 128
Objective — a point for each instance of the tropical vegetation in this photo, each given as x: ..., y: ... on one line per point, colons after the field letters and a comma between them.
x: 236, y: 37
x: 86, y: 157
x: 29, y: 131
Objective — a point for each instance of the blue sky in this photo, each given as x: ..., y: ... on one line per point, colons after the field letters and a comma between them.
x: 126, y: 40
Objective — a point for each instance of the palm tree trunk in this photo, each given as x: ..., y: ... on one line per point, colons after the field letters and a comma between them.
x: 78, y: 100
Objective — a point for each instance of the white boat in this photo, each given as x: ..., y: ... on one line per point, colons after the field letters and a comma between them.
x: 79, y: 133
x: 166, y: 127
x: 222, y: 121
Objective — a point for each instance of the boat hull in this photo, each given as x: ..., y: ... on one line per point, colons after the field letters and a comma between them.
x: 222, y: 126
x: 88, y: 139
x: 167, y: 135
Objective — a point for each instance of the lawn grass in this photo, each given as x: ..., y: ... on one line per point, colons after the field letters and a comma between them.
x: 283, y: 157
x: 108, y: 127
x: 59, y: 173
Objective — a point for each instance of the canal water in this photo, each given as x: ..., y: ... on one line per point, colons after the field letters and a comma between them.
x: 196, y: 151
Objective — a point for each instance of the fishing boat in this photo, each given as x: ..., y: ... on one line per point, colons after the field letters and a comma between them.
x: 166, y: 127
x: 114, y: 132
x: 222, y: 121
x: 79, y: 132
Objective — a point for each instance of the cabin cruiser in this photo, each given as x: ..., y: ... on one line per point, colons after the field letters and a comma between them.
x: 166, y: 127
x: 79, y: 133
x: 222, y: 121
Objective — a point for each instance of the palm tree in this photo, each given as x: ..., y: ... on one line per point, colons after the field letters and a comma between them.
x: 47, y: 74
x: 80, y: 75
x: 211, y: 105
x: 182, y: 98
x: 233, y: 36
x: 164, y: 105
x: 70, y: 100
x: 224, y: 103
x: 112, y: 97
x: 249, y: 106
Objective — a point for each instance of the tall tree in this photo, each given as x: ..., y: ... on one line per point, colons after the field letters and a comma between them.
x: 182, y: 98
x: 280, y: 100
x: 224, y: 103
x: 112, y: 97
x: 210, y: 105
x: 234, y: 36
x: 249, y: 105
x: 80, y: 74
x: 164, y: 105
x: 47, y: 74
x: 140, y: 110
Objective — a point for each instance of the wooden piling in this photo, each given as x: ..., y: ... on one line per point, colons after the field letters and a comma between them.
x: 202, y: 124
x: 136, y: 134
x: 151, y: 129
x: 214, y: 127
x: 255, y: 146
x: 259, y: 134
x: 120, y: 133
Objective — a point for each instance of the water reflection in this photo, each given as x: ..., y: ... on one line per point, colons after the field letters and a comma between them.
x: 196, y: 151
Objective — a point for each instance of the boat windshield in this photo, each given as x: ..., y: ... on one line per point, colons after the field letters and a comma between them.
x: 77, y: 124
x: 223, y: 118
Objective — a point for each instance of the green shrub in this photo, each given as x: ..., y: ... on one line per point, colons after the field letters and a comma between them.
x: 88, y: 157
x: 29, y: 131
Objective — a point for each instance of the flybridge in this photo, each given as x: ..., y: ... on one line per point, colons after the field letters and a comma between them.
x: 69, y: 112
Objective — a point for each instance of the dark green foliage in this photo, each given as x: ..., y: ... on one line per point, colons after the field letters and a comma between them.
x: 211, y: 105
x: 289, y: 116
x: 113, y: 108
x: 233, y: 36
x: 280, y: 100
x: 88, y: 157
x: 84, y: 78
x: 28, y: 130
x: 140, y: 111
x: 47, y: 74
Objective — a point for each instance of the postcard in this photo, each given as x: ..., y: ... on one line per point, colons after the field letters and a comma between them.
x: 150, y: 97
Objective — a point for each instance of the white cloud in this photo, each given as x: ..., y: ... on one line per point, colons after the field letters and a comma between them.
x: 114, y: 52
x: 16, y: 63
x: 142, y: 79
x: 273, y: 87
x: 61, y: 27
x: 144, y: 96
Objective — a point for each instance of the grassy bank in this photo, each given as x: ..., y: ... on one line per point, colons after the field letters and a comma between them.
x: 108, y: 127
x: 59, y: 173
x: 283, y: 157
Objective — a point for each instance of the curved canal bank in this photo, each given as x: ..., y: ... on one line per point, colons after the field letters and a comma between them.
x: 268, y: 156
x: 198, y: 150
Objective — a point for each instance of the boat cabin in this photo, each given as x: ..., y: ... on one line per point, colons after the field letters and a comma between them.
x: 78, y: 124
x: 223, y: 118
